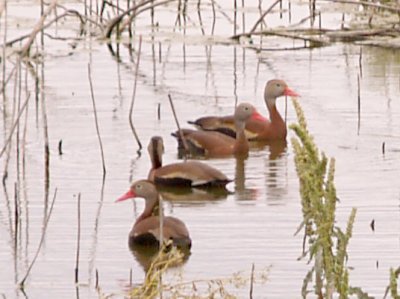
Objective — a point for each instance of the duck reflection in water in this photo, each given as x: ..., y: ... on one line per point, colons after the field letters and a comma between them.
x: 276, y: 150
x: 147, y: 233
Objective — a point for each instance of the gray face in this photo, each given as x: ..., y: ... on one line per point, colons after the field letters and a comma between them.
x: 243, y: 112
x: 143, y: 188
x: 275, y: 88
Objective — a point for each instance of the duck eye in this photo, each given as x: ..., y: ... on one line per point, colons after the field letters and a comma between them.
x: 278, y: 85
x: 139, y: 187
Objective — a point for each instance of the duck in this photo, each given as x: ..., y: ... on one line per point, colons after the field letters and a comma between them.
x: 259, y: 129
x: 217, y: 144
x: 184, y: 174
x: 146, y: 229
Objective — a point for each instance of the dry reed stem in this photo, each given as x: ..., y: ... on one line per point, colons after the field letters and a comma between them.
x: 67, y: 13
x: 139, y: 11
x: 36, y: 29
x: 16, y: 216
x: 96, y: 121
x: 21, y: 284
x: 366, y: 3
x: 78, y: 241
x: 116, y: 20
x: 133, y: 98
x: 45, y: 128
x: 263, y: 16
x: 9, y: 138
x: 186, y: 148
x: 2, y: 7
x: 4, y: 66
x: 251, y: 282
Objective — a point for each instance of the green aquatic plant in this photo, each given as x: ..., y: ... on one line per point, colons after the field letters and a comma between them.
x: 392, y: 288
x: 327, y: 243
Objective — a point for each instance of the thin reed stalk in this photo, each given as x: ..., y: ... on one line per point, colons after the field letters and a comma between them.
x: 22, y: 282
x: 133, y: 98
x: 96, y: 121
x: 78, y: 239
x: 185, y: 146
x: 16, y: 216
x: 251, y: 282
x: 14, y: 126
x: 263, y: 16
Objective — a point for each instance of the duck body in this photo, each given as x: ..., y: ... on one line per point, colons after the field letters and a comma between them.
x: 255, y: 129
x: 206, y: 143
x: 185, y: 174
x: 216, y: 144
x: 146, y: 230
x: 261, y: 129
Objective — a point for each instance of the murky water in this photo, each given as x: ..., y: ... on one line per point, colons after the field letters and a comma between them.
x: 255, y: 224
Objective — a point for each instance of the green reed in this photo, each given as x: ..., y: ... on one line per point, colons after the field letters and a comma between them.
x: 327, y: 243
x: 392, y: 288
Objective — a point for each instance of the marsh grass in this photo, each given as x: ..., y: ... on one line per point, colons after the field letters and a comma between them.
x: 154, y: 287
x: 325, y: 243
x: 392, y: 288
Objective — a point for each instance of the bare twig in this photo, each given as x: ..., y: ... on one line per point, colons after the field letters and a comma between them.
x: 116, y: 20
x: 21, y: 284
x: 133, y: 97
x: 263, y: 16
x: 96, y: 121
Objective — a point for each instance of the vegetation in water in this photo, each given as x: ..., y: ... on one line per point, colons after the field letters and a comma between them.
x: 392, y: 288
x: 155, y: 284
x: 327, y: 243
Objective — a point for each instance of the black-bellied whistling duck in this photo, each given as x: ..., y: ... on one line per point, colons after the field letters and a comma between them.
x: 186, y: 174
x: 146, y: 230
x: 216, y: 144
x: 256, y: 129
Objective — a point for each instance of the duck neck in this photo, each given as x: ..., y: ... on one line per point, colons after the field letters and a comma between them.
x: 241, y: 146
x: 151, y: 206
x: 274, y: 114
x: 156, y: 159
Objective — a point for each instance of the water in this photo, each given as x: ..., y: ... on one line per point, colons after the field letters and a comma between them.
x: 254, y: 225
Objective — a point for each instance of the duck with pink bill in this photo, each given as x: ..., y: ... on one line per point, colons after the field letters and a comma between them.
x: 256, y: 129
x: 146, y: 230
x: 212, y: 144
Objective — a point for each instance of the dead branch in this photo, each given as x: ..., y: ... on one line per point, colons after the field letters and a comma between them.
x: 68, y: 13
x: 116, y: 20
x: 258, y: 21
x: 39, y: 26
x: 365, y: 3
x: 352, y: 35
